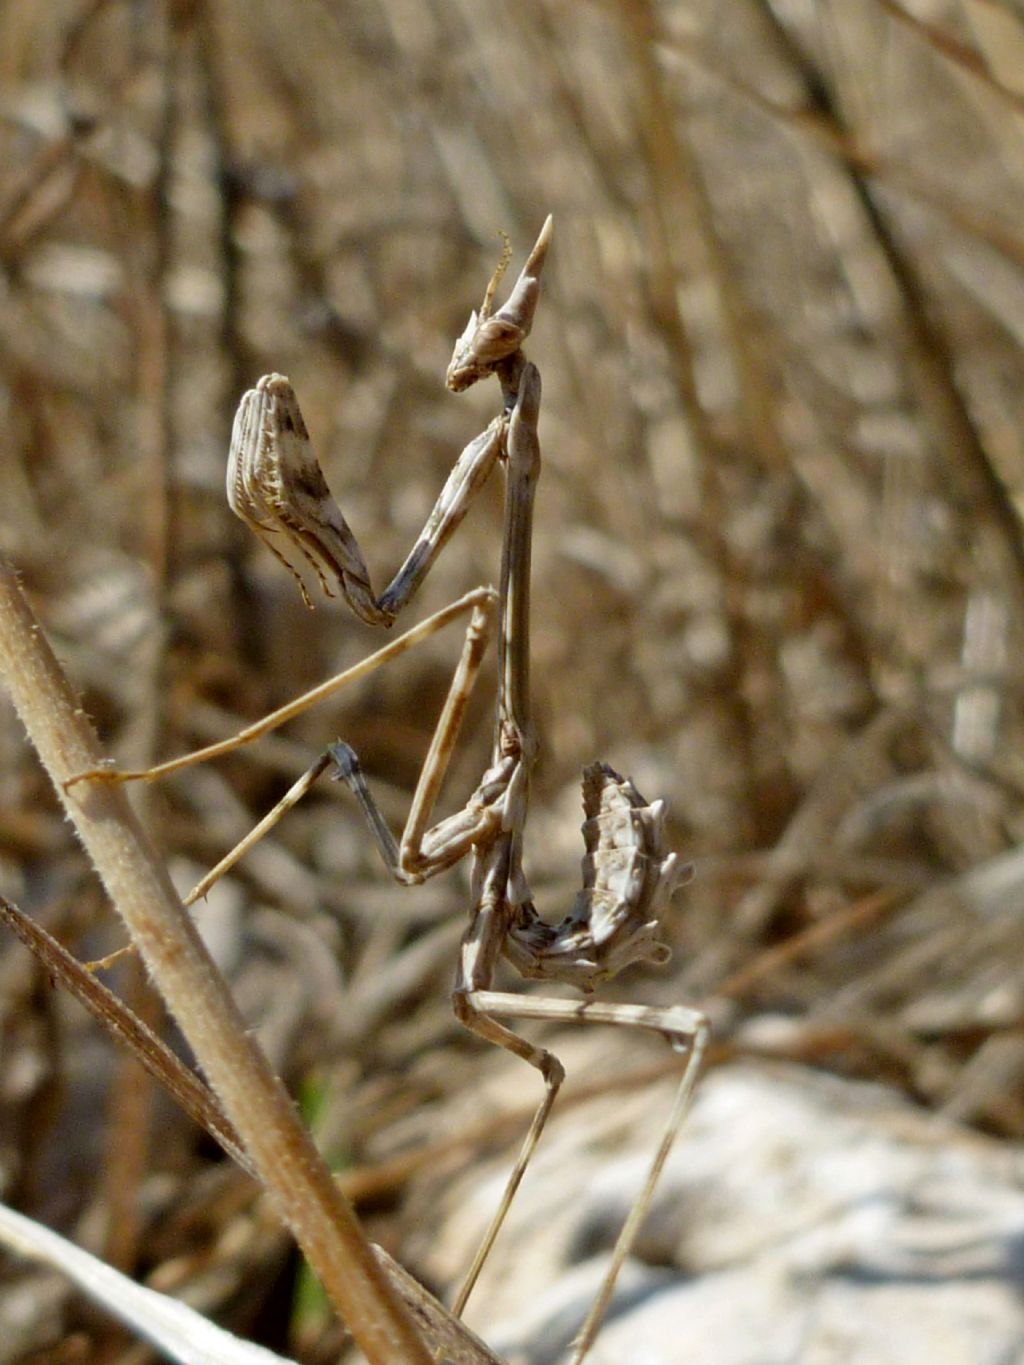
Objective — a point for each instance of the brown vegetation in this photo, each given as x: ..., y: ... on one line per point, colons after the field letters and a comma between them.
x: 779, y: 562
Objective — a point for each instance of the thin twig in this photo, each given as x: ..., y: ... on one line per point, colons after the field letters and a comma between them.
x: 126, y: 1027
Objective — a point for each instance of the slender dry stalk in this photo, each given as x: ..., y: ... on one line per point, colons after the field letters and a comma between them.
x: 140, y: 1043
x: 253, y: 1097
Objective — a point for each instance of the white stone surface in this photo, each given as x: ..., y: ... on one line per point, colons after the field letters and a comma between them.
x: 802, y: 1220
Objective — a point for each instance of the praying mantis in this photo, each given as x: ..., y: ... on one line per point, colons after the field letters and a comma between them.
x: 276, y: 486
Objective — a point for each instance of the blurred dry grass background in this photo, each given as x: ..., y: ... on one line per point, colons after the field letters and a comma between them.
x: 779, y: 570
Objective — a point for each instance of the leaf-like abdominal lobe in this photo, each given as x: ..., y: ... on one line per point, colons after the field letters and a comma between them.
x: 628, y: 878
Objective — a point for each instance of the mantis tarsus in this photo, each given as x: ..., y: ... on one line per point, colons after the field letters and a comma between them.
x: 275, y: 484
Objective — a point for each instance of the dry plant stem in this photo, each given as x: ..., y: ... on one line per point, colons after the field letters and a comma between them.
x: 254, y: 1099
x: 453, y: 1342
x: 125, y: 1027
x: 458, y: 1345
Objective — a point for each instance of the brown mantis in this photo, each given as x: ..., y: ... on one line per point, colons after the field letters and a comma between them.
x: 277, y: 487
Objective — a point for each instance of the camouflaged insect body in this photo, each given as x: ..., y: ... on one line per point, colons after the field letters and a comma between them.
x: 276, y: 486
x: 628, y: 877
